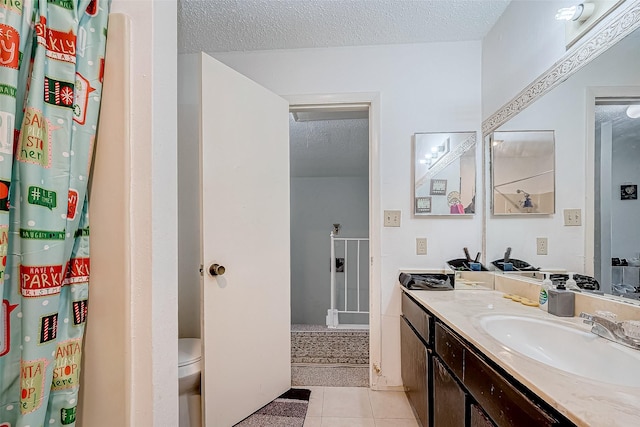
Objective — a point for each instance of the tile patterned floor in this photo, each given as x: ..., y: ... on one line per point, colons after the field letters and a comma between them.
x: 358, y: 407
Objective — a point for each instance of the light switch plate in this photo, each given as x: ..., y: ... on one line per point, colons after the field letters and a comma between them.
x: 572, y: 217
x: 392, y: 218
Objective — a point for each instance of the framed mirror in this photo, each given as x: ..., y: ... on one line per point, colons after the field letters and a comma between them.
x: 523, y: 172
x: 584, y: 172
x: 444, y: 173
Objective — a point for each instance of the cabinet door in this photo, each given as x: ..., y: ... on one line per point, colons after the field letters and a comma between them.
x: 414, y: 359
x: 448, y: 398
x: 479, y: 418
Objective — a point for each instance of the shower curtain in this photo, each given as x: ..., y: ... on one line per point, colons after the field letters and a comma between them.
x: 51, y: 64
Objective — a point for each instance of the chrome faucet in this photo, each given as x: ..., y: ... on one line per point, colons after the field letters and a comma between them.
x: 610, y: 329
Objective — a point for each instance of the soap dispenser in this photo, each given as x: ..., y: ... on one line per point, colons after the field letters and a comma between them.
x: 571, y: 283
x: 561, y: 302
x: 543, y: 300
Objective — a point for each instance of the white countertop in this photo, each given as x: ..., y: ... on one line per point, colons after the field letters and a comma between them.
x: 584, y: 401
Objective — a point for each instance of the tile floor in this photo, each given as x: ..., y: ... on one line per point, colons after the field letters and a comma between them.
x: 358, y: 407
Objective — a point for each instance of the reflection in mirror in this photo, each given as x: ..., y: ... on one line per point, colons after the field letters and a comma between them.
x: 444, y: 173
x: 474, y: 280
x: 617, y: 156
x: 522, y: 172
x: 569, y: 109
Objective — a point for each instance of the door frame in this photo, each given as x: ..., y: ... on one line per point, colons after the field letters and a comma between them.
x: 591, y: 96
x: 336, y: 100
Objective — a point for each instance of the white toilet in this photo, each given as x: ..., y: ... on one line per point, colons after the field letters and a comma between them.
x: 189, y: 366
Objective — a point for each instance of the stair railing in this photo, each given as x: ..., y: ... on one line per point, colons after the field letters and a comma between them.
x: 333, y: 312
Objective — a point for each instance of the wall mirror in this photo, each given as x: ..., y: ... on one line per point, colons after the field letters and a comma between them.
x: 522, y: 172
x: 444, y: 173
x: 570, y: 111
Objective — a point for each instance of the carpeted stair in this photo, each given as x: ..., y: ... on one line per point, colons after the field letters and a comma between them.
x: 329, y: 357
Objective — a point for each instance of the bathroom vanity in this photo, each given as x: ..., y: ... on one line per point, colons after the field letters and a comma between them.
x: 456, y: 374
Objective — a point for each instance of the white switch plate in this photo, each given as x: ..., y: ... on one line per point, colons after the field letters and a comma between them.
x: 542, y: 247
x: 392, y: 218
x: 421, y: 245
x: 572, y: 217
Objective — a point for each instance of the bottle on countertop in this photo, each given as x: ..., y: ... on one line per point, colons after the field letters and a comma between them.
x: 543, y: 300
x: 561, y: 302
x: 571, y: 283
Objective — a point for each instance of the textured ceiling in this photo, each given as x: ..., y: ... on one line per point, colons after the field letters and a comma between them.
x: 241, y: 25
x: 329, y: 148
x: 624, y: 128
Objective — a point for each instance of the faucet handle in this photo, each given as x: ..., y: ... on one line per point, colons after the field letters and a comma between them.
x: 588, y: 318
x: 606, y: 315
x: 631, y: 328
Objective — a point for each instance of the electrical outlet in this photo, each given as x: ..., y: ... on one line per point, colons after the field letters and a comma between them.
x: 541, y: 246
x: 572, y: 217
x: 392, y: 218
x: 421, y: 245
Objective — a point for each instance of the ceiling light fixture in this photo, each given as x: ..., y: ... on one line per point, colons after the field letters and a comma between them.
x: 580, y: 12
x: 634, y: 111
x: 437, y: 152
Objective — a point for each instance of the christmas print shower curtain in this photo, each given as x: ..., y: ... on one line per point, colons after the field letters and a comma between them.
x: 51, y: 62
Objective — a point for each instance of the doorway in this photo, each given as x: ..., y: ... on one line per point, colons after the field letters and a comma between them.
x: 332, y: 255
x: 616, y: 178
x: 329, y: 170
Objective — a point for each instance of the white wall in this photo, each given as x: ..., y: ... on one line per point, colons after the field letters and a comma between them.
x: 625, y: 233
x: 525, y: 41
x: 107, y: 338
x: 149, y: 347
x: 316, y: 204
x: 423, y: 88
x: 188, y: 196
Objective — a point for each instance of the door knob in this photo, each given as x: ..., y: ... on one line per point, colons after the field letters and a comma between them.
x: 216, y: 270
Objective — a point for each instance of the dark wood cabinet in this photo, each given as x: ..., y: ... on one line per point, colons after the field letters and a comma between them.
x: 419, y: 320
x: 450, y: 383
x: 415, y: 364
x: 500, y: 399
x: 479, y: 418
x: 449, y: 399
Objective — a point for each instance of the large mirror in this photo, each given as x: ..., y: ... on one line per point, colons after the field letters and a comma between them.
x: 444, y: 173
x: 522, y: 172
x: 591, y: 145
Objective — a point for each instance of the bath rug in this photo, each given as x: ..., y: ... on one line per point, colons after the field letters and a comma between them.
x: 288, y: 410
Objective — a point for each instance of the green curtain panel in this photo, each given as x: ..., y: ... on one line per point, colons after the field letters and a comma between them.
x: 51, y: 68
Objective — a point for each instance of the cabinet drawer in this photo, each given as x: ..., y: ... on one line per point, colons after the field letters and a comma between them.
x: 451, y: 350
x: 505, y: 404
x: 417, y: 317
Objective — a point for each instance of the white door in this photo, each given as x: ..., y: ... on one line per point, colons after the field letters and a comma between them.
x: 244, y: 152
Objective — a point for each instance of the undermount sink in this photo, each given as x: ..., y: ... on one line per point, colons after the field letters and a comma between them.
x: 565, y: 347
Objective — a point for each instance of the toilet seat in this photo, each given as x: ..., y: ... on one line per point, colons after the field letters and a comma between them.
x: 189, y: 366
x: 189, y: 351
